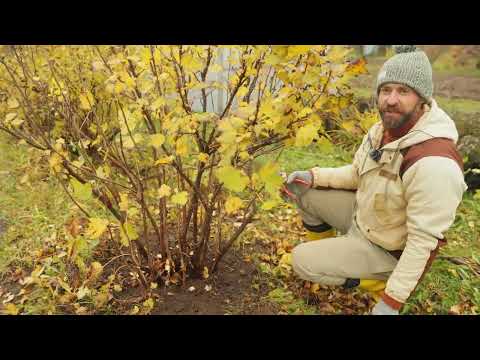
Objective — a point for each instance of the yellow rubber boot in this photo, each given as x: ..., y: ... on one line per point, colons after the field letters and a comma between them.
x: 320, y: 235
x: 374, y: 287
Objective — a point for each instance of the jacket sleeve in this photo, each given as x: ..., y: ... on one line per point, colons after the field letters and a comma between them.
x: 433, y: 190
x: 344, y: 177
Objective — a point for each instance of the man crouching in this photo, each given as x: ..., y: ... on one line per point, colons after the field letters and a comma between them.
x: 396, y: 199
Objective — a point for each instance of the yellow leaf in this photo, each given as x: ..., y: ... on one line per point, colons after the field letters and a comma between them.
x: 349, y: 126
x: 82, y: 292
x: 305, y: 112
x: 157, y: 140
x: 270, y: 175
x: 164, y: 190
x: 148, y: 305
x: 358, y: 67
x: 129, y: 143
x: 191, y: 63
x: 123, y: 202
x: 314, y: 288
x: 242, y: 91
x: 205, y: 272
x: 96, y: 227
x: 232, y: 204
x: 10, y: 116
x: 158, y: 103
x: 202, y: 157
x: 165, y: 160
x: 283, y: 75
x: 338, y: 53
x: 55, y: 161
x: 81, y: 191
x: 118, y: 88
x: 12, y: 103
x: 153, y: 285
x: 163, y: 76
x: 232, y: 178
x: 24, y: 178
x: 11, y: 309
x: 296, y: 50
x: 117, y: 288
x: 180, y: 198
x: 305, y: 135
x: 181, y: 147
x: 86, y: 101
x: 95, y: 270
x: 135, y: 310
x: 244, y: 155
x: 286, y: 259
x: 455, y: 309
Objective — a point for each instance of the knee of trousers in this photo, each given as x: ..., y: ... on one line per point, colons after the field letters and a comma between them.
x: 303, y: 268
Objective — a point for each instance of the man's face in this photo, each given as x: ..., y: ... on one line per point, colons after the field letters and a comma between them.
x: 397, y: 104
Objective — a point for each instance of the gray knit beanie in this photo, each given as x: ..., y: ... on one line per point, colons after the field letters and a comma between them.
x: 410, y: 67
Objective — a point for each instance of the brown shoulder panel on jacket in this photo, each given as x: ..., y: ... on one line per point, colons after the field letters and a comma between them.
x: 433, y: 147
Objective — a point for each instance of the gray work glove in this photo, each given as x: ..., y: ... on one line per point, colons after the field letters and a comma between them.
x: 305, y: 176
x: 383, y: 309
x: 297, y: 184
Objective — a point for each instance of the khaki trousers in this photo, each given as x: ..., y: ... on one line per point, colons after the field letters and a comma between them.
x: 331, y: 261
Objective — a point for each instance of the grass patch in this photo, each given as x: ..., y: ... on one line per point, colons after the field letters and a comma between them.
x: 31, y: 212
x: 451, y: 106
x: 446, y: 65
x: 33, y: 206
x: 306, y: 158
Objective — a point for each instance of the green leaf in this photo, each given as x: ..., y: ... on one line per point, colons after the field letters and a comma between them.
x: 325, y: 145
x: 477, y: 194
x: 127, y: 231
x: 82, y: 191
x: 232, y: 178
x: 180, y: 198
x: 269, y: 204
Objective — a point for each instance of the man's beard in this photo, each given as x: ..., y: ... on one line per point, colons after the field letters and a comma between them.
x: 397, y: 122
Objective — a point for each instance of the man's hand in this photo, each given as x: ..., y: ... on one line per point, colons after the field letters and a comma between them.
x: 296, y: 184
x: 304, y: 176
x: 383, y: 309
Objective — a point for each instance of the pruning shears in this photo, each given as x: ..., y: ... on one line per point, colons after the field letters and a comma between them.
x: 291, y: 195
